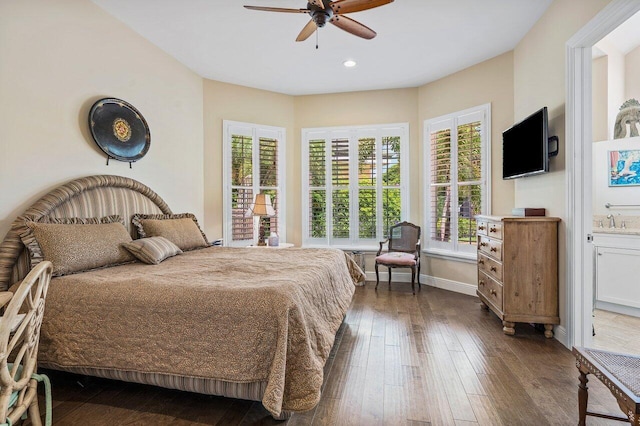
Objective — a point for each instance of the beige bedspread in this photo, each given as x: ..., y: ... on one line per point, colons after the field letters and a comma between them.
x: 233, y: 314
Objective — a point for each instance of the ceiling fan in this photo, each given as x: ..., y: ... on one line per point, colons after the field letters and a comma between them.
x: 323, y: 11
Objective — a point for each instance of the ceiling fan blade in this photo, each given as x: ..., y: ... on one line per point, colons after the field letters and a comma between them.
x: 317, y: 3
x: 350, y: 6
x: 307, y: 31
x: 277, y: 9
x: 353, y: 27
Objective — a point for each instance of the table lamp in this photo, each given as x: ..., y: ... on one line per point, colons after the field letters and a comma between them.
x: 261, y: 207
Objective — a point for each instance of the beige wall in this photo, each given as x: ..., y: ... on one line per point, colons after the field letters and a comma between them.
x: 632, y: 70
x: 58, y: 58
x: 599, y: 97
x: 488, y: 82
x: 539, y: 80
x: 224, y: 101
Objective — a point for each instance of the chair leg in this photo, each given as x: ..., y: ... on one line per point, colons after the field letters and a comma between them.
x: 413, y: 278
x: 389, y: 269
x: 377, y: 276
x: 34, y: 412
x: 419, y: 286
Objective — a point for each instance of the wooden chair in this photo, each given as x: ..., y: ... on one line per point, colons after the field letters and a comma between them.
x: 403, y: 251
x: 19, y: 338
x: 620, y: 373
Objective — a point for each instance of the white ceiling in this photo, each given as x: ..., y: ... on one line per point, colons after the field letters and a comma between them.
x: 418, y: 41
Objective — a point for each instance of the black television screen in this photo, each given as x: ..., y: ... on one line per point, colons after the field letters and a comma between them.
x: 525, y: 147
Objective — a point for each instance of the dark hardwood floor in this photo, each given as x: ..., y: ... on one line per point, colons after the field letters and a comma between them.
x: 431, y: 359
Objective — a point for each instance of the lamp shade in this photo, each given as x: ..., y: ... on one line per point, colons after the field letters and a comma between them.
x: 261, y: 206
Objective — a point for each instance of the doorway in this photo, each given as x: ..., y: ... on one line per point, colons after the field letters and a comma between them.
x: 580, y: 262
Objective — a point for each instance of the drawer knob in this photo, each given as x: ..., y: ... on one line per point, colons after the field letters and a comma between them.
x: 480, y: 262
x: 481, y: 228
x: 481, y: 282
x: 493, y: 269
x: 494, y: 249
x: 483, y: 244
x: 493, y: 229
x: 493, y: 292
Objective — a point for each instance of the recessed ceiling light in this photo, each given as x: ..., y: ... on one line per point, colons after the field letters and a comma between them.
x: 349, y: 63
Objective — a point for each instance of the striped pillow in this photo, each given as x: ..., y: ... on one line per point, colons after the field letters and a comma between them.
x: 152, y: 250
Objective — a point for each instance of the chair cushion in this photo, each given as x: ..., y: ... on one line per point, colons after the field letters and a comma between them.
x: 397, y: 258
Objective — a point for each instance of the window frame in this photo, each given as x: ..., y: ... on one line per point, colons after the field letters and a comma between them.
x: 353, y: 134
x: 451, y: 121
x: 255, y: 131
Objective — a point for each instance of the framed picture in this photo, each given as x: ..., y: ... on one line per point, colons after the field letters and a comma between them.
x: 624, y: 167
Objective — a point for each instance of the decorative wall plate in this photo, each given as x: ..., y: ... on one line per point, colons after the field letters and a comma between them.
x: 119, y: 130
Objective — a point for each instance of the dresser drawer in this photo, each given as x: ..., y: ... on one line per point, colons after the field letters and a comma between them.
x: 490, y: 267
x: 494, y: 230
x: 481, y: 227
x: 490, y: 289
x: 490, y: 247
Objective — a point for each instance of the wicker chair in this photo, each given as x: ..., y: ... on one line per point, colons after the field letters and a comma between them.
x: 403, y: 251
x: 19, y: 338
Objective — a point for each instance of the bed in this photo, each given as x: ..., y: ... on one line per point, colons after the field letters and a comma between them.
x: 236, y: 322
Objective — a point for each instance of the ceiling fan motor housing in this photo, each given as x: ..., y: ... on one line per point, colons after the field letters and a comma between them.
x: 319, y: 15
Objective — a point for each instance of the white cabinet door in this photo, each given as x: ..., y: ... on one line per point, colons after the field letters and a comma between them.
x: 618, y: 276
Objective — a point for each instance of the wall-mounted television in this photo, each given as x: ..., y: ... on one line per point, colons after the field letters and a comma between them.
x: 525, y: 147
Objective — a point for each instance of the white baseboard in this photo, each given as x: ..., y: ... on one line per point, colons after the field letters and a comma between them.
x: 405, y: 277
x: 560, y: 334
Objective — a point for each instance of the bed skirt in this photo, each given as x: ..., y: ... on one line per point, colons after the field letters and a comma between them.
x: 252, y: 391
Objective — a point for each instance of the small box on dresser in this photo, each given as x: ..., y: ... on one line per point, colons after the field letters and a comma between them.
x: 518, y: 269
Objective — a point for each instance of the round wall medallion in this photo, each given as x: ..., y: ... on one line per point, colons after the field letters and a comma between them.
x: 119, y: 129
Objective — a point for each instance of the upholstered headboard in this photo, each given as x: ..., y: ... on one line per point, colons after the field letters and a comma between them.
x: 91, y: 196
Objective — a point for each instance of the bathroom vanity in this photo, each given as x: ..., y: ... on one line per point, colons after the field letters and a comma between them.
x: 617, y: 269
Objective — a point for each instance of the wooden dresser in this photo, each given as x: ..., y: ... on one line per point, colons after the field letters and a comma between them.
x: 518, y: 269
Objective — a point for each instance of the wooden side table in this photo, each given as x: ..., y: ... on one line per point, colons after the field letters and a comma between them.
x: 620, y: 373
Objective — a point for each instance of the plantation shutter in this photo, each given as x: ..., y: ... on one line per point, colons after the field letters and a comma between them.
x: 340, y: 187
x: 469, y: 179
x: 317, y: 189
x: 391, y: 189
x: 241, y: 186
x: 268, y: 161
x: 440, y: 178
x: 367, y: 188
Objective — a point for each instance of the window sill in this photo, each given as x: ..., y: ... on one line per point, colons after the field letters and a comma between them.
x: 452, y: 255
x: 365, y: 248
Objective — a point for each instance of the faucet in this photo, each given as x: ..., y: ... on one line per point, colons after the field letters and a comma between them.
x: 612, y: 221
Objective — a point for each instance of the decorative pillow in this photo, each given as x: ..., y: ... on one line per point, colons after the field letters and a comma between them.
x: 77, y: 245
x: 181, y: 229
x: 152, y: 250
x: 29, y: 239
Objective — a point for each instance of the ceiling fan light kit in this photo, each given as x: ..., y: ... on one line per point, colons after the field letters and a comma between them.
x: 323, y: 11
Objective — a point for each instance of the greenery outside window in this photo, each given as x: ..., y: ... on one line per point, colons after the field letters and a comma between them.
x: 456, y: 150
x: 355, y: 184
x: 253, y: 163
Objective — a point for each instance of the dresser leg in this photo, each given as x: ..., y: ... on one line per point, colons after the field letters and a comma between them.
x: 548, y: 331
x: 509, y: 328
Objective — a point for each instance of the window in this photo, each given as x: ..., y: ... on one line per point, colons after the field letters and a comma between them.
x: 457, y: 164
x: 254, y: 163
x: 355, y: 183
